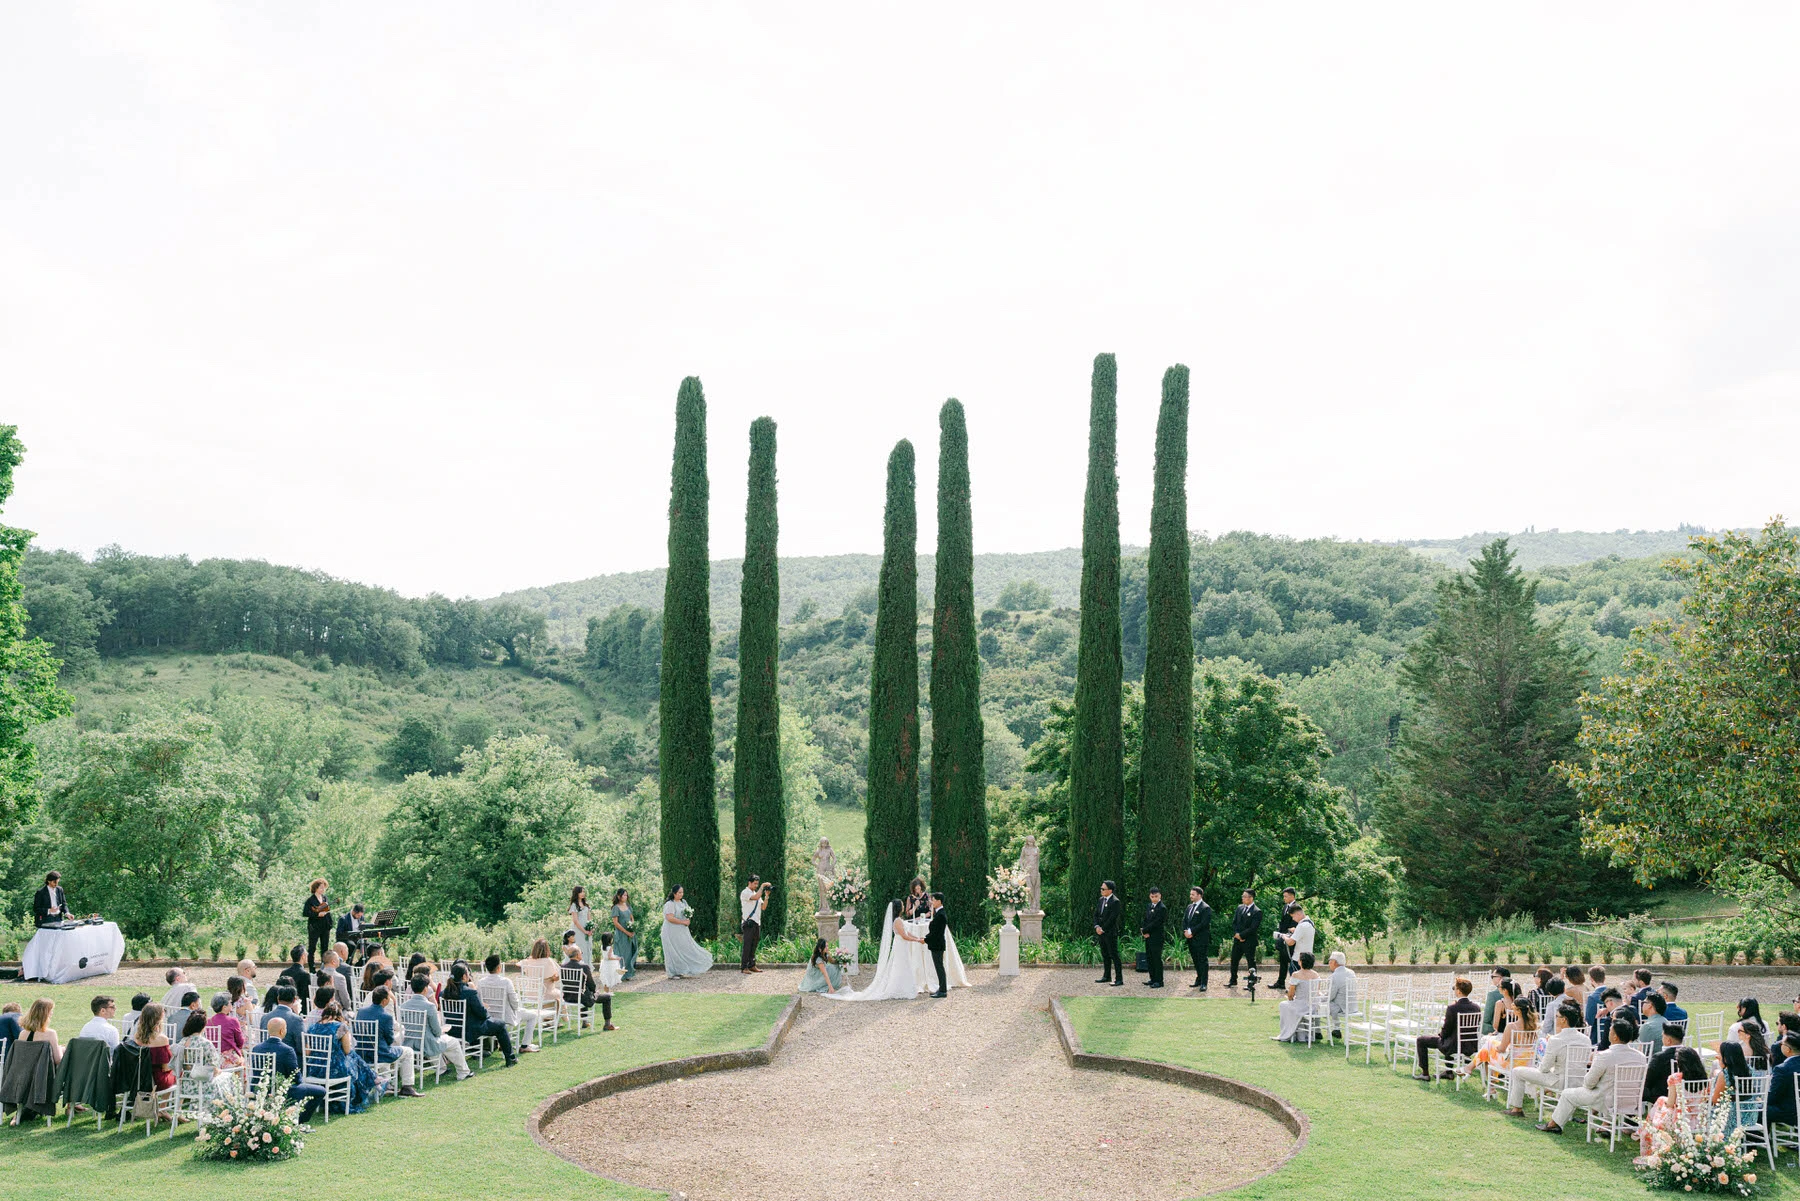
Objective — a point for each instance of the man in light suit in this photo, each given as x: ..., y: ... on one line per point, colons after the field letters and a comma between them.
x: 339, y: 987
x: 1549, y: 1072
x: 510, y: 1012
x: 434, y: 1042
x: 1341, y: 999
x: 1600, y: 1083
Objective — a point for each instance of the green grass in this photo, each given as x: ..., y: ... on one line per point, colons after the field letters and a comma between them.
x: 464, y: 1138
x: 1375, y: 1133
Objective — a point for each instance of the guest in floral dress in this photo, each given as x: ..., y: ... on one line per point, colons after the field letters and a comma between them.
x: 364, y: 1087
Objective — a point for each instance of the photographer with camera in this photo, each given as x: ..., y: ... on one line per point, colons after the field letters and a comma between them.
x: 753, y: 900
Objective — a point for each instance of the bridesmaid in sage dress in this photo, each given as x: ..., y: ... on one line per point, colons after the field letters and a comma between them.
x: 682, y: 956
x: 581, y: 921
x: 624, y: 932
x: 822, y: 975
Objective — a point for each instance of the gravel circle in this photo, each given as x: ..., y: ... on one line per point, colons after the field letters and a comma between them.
x: 964, y: 1097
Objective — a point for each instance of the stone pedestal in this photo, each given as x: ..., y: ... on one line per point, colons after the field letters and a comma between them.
x: 847, y: 941
x: 1009, y: 948
x: 1031, y: 926
x: 828, y: 927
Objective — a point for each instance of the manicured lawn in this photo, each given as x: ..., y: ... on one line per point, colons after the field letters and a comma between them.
x: 1375, y: 1133
x: 466, y: 1138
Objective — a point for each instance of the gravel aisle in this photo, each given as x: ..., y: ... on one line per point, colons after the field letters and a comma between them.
x: 964, y: 1097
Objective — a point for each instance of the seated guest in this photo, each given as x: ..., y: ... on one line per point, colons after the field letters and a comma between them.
x: 1684, y: 1065
x: 290, y: 1017
x: 241, y: 1001
x: 477, y: 1024
x: 376, y: 962
x: 365, y: 1087
x: 231, y: 1031
x: 540, y: 966
x: 1340, y: 1001
x: 1641, y: 989
x: 1575, y: 987
x: 138, y: 1001
x: 1535, y: 996
x: 585, y: 991
x: 296, y: 976
x: 1497, y: 980
x: 1781, y: 1081
x: 1301, y: 985
x: 414, y: 962
x: 378, y: 1010
x: 1745, y: 1057
x: 336, y: 981
x: 1749, y: 1012
x: 195, y: 1043
x: 344, y: 968
x: 1597, y: 1087
x: 1672, y: 1011
x: 1650, y: 1029
x: 1446, y: 1040
x: 1516, y: 1026
x: 36, y: 1027
x: 288, y: 1064
x: 100, y: 1025
x: 1590, y: 1009
x: 9, y: 1023
x: 511, y: 1012
x: 190, y: 1001
x: 1611, y: 1006
x: 1550, y: 1068
x: 154, y: 1042
x: 178, y: 988
x: 246, y: 970
x: 436, y: 1046
x: 1656, y: 1083
x: 1554, y: 988
x: 822, y: 975
x: 1786, y: 1023
x: 322, y: 996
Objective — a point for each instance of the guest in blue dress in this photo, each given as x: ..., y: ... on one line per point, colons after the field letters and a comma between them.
x: 822, y: 975
x: 345, y: 1062
x: 1743, y: 1058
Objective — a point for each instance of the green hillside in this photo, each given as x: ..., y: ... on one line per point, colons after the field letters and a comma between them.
x: 1537, y: 549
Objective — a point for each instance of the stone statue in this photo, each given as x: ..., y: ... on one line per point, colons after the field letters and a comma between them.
x: 1028, y: 863
x: 825, y: 864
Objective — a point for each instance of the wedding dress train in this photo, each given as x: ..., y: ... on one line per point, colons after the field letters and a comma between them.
x: 896, y: 972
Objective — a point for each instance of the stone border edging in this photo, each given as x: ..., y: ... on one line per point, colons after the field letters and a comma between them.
x: 558, y: 1104
x: 1219, y: 1086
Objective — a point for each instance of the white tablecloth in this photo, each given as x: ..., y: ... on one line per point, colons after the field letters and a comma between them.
x: 62, y: 956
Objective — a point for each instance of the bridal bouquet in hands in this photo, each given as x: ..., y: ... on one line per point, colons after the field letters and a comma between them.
x: 849, y: 890
x: 1009, y: 887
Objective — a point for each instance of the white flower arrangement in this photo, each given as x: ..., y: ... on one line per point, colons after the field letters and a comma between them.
x: 256, y: 1125
x: 1009, y: 887
x: 1704, y: 1161
x: 849, y: 890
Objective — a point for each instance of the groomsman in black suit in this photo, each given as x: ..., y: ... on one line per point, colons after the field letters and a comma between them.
x: 1106, y: 931
x: 1155, y: 918
x: 1284, y: 925
x: 1246, y: 924
x: 934, y: 942
x: 1196, y: 927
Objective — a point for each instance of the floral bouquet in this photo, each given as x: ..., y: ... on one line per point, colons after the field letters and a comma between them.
x: 1699, y: 1162
x: 839, y: 957
x: 848, y: 891
x: 258, y: 1125
x: 1009, y: 887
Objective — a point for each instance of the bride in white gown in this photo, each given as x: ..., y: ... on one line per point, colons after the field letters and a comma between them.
x: 897, y: 976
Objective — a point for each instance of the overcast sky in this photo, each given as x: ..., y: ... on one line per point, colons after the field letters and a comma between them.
x: 405, y: 292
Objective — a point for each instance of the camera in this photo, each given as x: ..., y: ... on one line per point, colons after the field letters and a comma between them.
x: 1251, y: 980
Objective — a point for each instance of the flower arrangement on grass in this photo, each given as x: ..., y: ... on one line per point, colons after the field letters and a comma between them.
x: 259, y: 1126
x: 848, y: 891
x: 1009, y: 888
x: 1704, y: 1161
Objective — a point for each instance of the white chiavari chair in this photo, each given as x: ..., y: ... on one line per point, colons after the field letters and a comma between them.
x: 367, y: 1036
x: 456, y: 1026
x: 1696, y: 1103
x: 316, y: 1069
x: 1575, y: 1066
x: 412, y: 1034
x: 1624, y: 1109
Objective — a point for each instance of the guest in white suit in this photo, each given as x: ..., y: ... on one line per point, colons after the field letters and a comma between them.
x: 510, y: 1012
x: 1598, y: 1086
x: 1549, y: 1071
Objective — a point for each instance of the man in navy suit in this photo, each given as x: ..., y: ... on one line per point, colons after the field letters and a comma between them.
x: 385, y: 1051
x: 288, y: 1064
x: 285, y: 996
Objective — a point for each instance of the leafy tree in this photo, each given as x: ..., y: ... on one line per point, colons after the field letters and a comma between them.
x: 465, y: 846
x: 1358, y: 704
x: 1096, y: 772
x: 1263, y: 812
x: 289, y: 756
x: 625, y: 648
x: 1166, y: 796
x: 63, y: 611
x: 760, y: 828
x: 959, y: 828
x: 1691, y: 758
x: 1481, y: 822
x: 340, y: 839
x: 158, y: 817
x: 418, y: 745
x: 28, y: 691
x: 516, y: 630
x: 891, y: 834
x: 690, y: 826
x: 1024, y: 595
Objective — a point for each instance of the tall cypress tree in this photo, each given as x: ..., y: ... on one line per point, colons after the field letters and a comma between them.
x: 1097, y: 758
x: 690, y: 822
x: 959, y: 828
x: 761, y: 815
x: 1166, y: 784
x: 891, y: 833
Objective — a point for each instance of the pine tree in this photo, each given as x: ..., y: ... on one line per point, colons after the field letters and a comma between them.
x: 891, y: 833
x: 759, y: 811
x: 959, y: 828
x: 1097, y: 760
x: 690, y: 823
x: 1166, y: 784
x: 1479, y: 817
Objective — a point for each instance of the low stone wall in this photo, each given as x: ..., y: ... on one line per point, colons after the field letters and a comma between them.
x: 1206, y: 1082
x: 654, y: 1073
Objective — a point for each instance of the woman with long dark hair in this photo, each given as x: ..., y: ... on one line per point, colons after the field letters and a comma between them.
x: 581, y: 921
x: 624, y: 931
x: 682, y: 956
x: 822, y: 975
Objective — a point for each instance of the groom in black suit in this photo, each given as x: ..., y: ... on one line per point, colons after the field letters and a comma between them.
x: 934, y: 942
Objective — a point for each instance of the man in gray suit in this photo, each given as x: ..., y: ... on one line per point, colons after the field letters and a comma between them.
x: 434, y: 1042
x: 1341, y: 999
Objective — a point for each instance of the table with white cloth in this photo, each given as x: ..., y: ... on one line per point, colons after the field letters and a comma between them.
x: 64, y: 956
